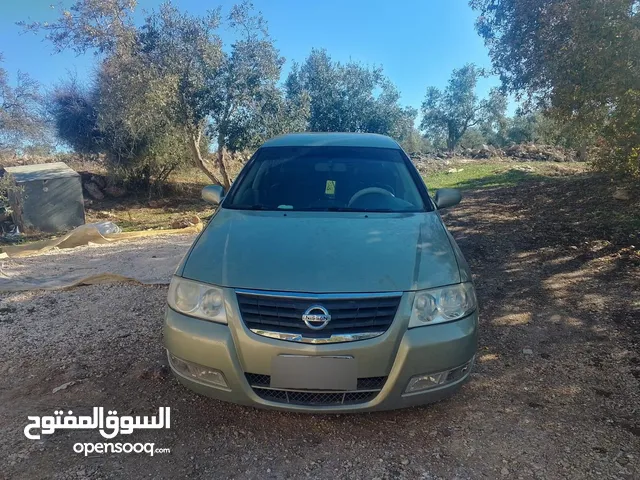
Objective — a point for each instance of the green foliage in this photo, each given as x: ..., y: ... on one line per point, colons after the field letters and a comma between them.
x: 415, y: 142
x: 348, y: 97
x: 222, y: 96
x: 494, y: 121
x: 541, y: 128
x: 450, y: 113
x: 141, y: 141
x: 473, y: 138
x: 103, y: 26
x: 619, y: 148
x: 524, y: 129
x: 75, y: 118
x: 125, y: 117
x: 22, y: 122
x: 5, y: 186
x: 171, y: 78
x: 577, y: 58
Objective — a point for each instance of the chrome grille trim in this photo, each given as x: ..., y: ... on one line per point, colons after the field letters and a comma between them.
x: 318, y: 296
x: 296, y: 337
x: 354, y: 316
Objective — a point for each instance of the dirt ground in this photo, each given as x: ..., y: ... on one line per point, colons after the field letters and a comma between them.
x: 555, y: 393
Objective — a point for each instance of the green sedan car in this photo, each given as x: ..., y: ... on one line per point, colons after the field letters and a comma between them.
x: 326, y: 281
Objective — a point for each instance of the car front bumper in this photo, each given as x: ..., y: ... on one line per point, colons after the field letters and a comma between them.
x: 396, y: 357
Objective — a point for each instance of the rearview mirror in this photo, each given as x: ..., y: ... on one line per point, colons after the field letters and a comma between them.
x: 213, y: 194
x: 447, y: 197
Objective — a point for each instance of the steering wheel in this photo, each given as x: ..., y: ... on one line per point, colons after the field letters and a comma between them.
x: 367, y: 191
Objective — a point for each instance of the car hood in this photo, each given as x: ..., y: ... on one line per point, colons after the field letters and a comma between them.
x: 323, y: 252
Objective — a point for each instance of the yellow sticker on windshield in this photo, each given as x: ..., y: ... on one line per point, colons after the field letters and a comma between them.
x: 330, y: 189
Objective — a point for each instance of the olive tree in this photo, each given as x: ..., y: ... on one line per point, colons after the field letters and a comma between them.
x: 72, y: 109
x: 174, y: 73
x: 451, y: 112
x: 21, y: 117
x: 348, y: 97
x: 577, y: 59
x: 101, y: 26
x: 221, y: 97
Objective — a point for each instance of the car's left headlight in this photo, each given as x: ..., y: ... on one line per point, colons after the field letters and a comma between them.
x: 197, y: 299
x: 444, y: 304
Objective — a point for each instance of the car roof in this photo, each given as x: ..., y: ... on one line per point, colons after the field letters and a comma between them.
x: 332, y: 139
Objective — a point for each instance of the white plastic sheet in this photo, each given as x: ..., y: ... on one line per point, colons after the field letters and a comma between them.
x: 87, y: 256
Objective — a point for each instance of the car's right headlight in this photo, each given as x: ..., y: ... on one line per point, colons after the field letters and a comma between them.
x: 445, y: 304
x: 197, y: 299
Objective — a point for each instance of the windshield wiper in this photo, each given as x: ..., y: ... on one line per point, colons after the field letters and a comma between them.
x: 332, y: 209
x: 248, y: 207
x: 349, y: 209
x: 318, y: 209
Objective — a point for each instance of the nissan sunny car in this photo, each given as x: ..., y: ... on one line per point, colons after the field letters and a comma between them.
x: 326, y: 281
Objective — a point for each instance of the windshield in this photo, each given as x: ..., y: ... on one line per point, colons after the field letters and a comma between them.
x: 355, y: 179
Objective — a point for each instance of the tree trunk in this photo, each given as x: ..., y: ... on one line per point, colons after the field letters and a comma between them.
x: 583, y: 155
x: 194, y: 146
x: 451, y: 143
x: 223, y: 169
x: 451, y: 137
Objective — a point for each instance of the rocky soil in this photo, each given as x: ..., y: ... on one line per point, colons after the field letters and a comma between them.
x: 428, y: 163
x: 555, y: 393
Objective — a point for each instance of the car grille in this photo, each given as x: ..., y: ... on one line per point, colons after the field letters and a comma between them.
x: 360, y: 314
x: 367, y: 390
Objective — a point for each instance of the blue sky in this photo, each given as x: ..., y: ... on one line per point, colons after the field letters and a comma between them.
x: 417, y: 42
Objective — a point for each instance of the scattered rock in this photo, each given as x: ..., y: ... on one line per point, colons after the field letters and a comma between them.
x: 64, y: 386
x: 104, y: 214
x: 186, y: 222
x: 115, y: 191
x: 436, y: 161
x: 487, y: 151
x: 602, y: 392
x: 527, y: 351
x: 93, y: 190
x: 530, y: 151
x: 504, y: 471
x: 524, y: 168
x: 99, y: 180
x: 622, y: 194
x: 428, y: 163
x: 622, y: 460
x: 157, y: 372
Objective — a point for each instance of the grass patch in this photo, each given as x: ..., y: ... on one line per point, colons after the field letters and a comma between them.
x: 578, y: 203
x: 491, y: 174
x: 179, y: 199
x: 156, y: 215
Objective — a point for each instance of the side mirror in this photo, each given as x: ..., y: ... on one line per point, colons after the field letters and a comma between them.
x: 213, y: 194
x: 447, y: 197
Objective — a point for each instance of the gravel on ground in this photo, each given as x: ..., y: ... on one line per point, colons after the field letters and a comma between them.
x: 555, y: 393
